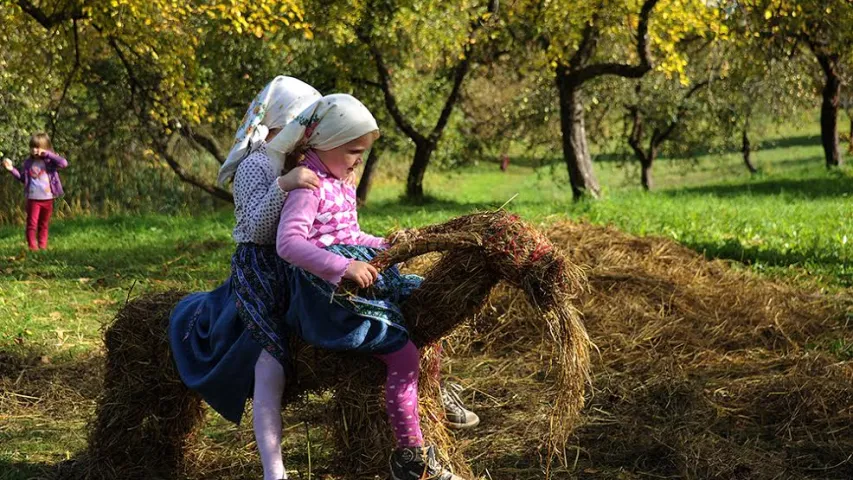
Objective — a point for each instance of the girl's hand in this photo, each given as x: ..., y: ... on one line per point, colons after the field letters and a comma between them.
x: 299, y: 177
x: 40, y: 152
x: 364, y: 274
x: 7, y: 164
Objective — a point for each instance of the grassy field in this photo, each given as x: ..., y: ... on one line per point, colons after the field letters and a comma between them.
x: 793, y: 222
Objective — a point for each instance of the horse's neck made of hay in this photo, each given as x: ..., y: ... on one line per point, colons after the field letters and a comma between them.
x: 478, y: 252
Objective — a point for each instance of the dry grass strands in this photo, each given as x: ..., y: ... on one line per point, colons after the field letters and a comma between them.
x: 705, y: 372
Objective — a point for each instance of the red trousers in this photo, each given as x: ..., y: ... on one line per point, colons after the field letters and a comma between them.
x: 38, y: 219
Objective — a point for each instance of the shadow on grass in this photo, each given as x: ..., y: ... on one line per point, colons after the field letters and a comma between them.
x: 787, y: 142
x: 812, y: 162
x: 751, y: 255
x: 110, y: 265
x: 43, y: 397
x: 50, y: 377
x: 530, y: 161
x: 554, y: 158
x: 10, y: 470
x: 762, y: 146
x: 811, y: 188
x: 403, y: 207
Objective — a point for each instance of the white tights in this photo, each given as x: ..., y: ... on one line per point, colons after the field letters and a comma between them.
x: 266, y: 406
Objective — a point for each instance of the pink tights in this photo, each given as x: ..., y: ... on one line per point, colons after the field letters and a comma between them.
x: 401, y: 394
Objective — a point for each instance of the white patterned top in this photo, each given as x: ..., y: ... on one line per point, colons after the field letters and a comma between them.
x: 257, y: 200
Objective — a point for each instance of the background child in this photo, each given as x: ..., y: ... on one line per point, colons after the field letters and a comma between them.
x: 40, y: 176
x: 320, y: 237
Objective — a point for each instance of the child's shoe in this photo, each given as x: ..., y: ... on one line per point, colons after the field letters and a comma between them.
x: 458, y: 416
x: 418, y: 463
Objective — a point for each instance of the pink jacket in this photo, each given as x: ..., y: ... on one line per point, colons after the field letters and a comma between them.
x: 52, y: 163
x: 314, y: 219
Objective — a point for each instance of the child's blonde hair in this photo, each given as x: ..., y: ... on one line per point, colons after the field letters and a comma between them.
x: 41, y: 140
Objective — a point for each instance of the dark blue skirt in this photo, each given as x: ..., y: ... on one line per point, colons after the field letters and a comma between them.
x: 216, y: 337
x: 214, y: 354
x: 369, y: 323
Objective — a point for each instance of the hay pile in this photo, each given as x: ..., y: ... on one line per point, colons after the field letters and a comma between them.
x: 146, y: 419
x: 704, y: 372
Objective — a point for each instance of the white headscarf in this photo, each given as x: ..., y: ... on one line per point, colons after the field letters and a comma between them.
x: 326, y: 124
x: 276, y: 106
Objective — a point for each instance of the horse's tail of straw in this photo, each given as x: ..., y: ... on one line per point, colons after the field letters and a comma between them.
x: 572, y: 357
x: 522, y: 257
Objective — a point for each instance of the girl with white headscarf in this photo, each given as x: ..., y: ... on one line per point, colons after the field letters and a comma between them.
x: 320, y: 238
x: 221, y: 338
x: 259, y: 187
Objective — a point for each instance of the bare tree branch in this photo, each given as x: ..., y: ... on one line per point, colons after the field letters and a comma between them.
x: 459, y: 76
x: 588, y: 43
x: 55, y: 118
x: 74, y: 12
x: 369, y: 83
x: 167, y: 152
x: 636, y: 136
x: 206, y: 142
x: 658, y: 136
x: 661, y: 136
x: 582, y: 74
x: 385, y: 85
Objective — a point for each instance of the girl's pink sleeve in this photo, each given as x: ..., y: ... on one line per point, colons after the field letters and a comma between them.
x: 58, y: 160
x: 17, y: 174
x: 369, y: 240
x: 297, y: 216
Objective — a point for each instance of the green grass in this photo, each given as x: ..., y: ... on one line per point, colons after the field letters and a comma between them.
x: 793, y: 221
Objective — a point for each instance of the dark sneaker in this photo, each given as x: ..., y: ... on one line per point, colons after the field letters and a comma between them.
x: 458, y: 416
x: 417, y: 463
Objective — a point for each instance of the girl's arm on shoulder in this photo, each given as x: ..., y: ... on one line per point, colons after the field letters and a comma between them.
x: 55, y: 158
x: 292, y: 242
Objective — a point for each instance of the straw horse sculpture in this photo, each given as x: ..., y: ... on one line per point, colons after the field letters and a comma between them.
x: 146, y: 419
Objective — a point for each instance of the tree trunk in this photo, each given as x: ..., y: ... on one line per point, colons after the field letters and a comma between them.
x: 415, y: 182
x: 575, y: 147
x: 635, y: 140
x: 829, y: 110
x: 746, y: 149
x: 646, y: 175
x: 367, y: 176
